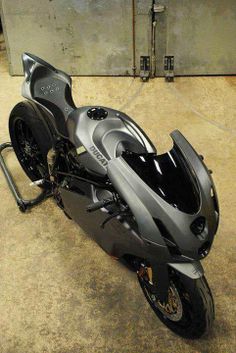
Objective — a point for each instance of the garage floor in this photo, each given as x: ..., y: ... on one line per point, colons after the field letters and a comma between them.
x: 59, y: 291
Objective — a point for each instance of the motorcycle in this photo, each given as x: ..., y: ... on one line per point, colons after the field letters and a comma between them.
x: 158, y: 213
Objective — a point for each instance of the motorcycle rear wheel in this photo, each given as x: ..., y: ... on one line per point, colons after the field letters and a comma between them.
x: 189, y: 312
x: 30, y: 140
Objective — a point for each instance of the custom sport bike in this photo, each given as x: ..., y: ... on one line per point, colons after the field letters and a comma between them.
x: 157, y: 212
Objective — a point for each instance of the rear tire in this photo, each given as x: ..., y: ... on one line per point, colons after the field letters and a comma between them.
x: 196, y: 303
x: 31, y: 140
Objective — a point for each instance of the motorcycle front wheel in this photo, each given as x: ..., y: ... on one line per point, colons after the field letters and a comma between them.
x: 189, y: 311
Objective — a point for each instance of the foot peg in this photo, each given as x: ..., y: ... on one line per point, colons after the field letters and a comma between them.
x: 37, y: 182
x: 99, y: 204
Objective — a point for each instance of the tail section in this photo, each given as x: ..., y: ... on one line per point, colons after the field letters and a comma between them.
x: 49, y: 87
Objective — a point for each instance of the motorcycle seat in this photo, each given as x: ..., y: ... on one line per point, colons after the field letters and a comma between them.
x: 49, y: 87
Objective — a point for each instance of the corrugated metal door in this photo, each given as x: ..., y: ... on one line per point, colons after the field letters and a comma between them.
x: 82, y: 37
x: 199, y: 34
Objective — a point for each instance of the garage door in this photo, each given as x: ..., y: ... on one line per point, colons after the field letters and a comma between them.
x: 82, y: 37
x: 199, y: 34
x: 96, y: 37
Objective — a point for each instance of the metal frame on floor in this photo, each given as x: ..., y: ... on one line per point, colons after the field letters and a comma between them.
x: 21, y: 202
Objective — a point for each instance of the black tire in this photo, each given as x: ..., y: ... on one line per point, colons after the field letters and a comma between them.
x: 197, y: 306
x: 31, y: 140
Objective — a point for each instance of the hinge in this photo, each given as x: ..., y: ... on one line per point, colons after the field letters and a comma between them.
x: 144, y: 68
x: 157, y: 8
x: 169, y: 68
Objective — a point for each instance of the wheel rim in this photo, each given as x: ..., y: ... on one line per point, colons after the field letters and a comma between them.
x: 29, y: 152
x: 173, y: 308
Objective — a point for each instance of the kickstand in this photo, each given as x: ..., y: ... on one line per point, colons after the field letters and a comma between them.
x: 21, y: 203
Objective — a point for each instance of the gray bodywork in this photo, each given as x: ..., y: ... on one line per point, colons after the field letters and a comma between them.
x: 147, y: 205
x: 44, y: 81
x: 100, y: 145
x: 103, y: 140
x: 109, y: 137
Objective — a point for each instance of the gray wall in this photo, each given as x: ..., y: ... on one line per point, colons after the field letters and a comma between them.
x: 94, y: 37
x: 200, y: 34
x: 82, y: 37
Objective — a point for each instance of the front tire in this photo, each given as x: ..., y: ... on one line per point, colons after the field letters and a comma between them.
x: 190, y: 309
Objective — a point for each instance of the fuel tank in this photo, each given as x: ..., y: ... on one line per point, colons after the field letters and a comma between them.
x: 101, y: 133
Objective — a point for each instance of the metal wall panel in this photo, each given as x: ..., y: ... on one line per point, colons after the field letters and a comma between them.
x: 200, y: 34
x: 94, y: 37
x: 142, y: 29
x: 82, y: 37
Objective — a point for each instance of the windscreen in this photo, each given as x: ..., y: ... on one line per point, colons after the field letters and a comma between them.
x: 168, y: 175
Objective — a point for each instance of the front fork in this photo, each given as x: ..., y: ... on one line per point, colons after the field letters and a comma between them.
x: 159, y: 279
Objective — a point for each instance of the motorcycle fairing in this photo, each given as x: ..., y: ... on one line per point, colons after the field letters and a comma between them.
x: 116, y: 238
x: 161, y: 224
x: 168, y: 177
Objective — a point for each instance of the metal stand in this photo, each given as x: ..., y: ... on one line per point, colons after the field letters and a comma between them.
x: 21, y: 203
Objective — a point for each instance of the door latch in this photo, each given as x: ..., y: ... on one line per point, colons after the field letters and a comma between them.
x: 169, y: 68
x: 144, y: 68
x: 157, y: 8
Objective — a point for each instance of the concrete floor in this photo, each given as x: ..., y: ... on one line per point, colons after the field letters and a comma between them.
x: 59, y: 291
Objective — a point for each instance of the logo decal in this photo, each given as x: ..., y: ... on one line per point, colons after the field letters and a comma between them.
x: 101, y: 159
